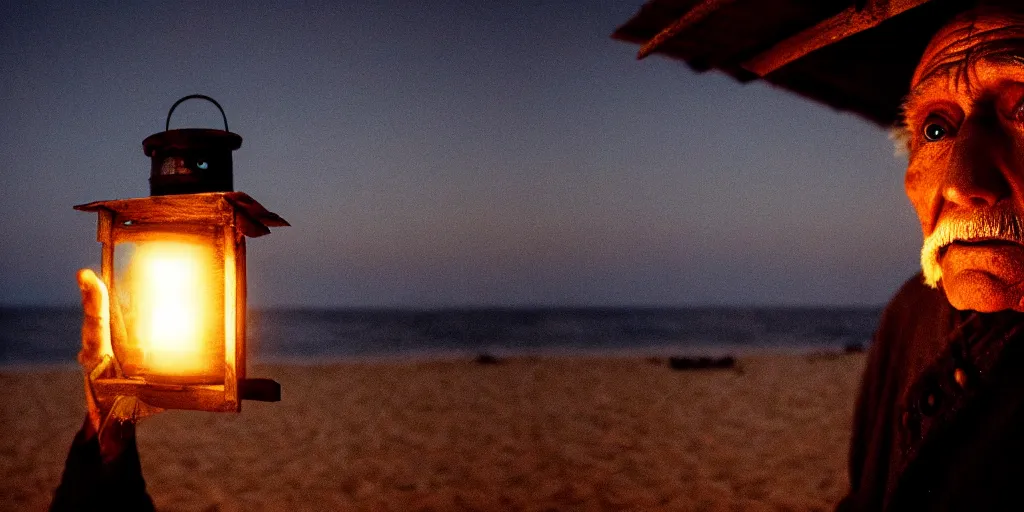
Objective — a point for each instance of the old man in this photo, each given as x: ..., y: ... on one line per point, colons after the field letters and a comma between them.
x: 939, y: 423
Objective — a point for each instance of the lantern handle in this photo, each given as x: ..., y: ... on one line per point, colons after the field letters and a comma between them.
x: 167, y: 125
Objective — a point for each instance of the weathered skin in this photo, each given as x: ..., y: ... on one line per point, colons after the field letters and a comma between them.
x: 969, y: 87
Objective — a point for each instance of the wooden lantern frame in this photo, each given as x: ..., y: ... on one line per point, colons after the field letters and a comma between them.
x: 224, y: 217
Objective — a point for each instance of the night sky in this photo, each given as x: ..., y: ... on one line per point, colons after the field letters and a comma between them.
x: 436, y: 154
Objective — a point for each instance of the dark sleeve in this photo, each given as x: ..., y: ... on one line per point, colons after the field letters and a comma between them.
x: 94, y: 482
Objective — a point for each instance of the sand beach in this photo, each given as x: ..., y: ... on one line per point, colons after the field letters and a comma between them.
x: 545, y: 433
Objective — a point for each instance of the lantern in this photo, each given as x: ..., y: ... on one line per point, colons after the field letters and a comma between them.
x: 174, y: 266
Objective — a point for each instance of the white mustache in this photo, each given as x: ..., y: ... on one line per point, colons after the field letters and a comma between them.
x: 992, y: 225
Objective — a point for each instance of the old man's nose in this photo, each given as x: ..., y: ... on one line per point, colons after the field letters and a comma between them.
x: 969, y: 188
x: 976, y: 176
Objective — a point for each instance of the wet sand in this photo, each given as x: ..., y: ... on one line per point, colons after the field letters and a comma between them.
x: 525, y: 434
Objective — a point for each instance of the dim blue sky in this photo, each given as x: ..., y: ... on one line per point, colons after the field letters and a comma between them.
x: 450, y: 153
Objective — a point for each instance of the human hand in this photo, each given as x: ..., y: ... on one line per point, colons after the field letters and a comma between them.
x: 111, y: 418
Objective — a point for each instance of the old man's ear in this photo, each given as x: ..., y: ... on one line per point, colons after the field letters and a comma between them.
x: 900, y: 136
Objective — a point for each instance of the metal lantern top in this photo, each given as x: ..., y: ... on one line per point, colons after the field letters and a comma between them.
x: 191, y: 160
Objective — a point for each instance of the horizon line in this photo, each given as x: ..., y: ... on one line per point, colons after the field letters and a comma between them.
x: 494, y: 307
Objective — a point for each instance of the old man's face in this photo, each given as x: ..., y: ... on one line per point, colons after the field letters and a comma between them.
x: 965, y: 124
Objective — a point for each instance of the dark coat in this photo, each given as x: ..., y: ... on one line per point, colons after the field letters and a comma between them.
x: 91, y: 482
x: 939, y: 423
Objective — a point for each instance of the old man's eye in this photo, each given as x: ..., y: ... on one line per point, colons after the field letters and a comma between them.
x: 934, y: 132
x: 935, y: 129
x: 202, y: 165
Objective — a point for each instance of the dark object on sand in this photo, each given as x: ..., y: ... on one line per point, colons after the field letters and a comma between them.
x: 853, y: 348
x: 821, y: 49
x: 701, y: 363
x: 487, y: 359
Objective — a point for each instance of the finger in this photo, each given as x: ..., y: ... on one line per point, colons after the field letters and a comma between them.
x: 96, y: 319
x: 118, y: 335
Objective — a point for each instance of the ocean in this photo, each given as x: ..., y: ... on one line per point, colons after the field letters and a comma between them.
x: 42, y: 335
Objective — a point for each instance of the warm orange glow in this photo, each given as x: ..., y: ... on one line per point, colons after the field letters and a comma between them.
x: 230, y: 311
x: 172, y: 283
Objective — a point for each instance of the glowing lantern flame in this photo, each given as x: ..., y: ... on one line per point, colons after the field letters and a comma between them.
x: 171, y: 285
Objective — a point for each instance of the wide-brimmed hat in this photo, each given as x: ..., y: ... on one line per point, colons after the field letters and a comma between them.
x: 854, y: 55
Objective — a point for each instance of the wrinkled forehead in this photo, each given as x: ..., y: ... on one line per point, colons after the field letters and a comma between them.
x: 994, y: 34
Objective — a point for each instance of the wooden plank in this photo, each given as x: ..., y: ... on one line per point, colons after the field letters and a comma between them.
x: 695, y: 15
x: 105, y: 235
x: 229, y: 311
x: 249, y: 226
x: 207, y: 208
x: 104, y: 221
x: 255, y: 210
x: 197, y: 233
x: 241, y: 351
x: 851, y: 21
x: 204, y: 208
x: 167, y: 396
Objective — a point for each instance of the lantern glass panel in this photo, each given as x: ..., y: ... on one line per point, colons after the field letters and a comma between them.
x: 169, y: 287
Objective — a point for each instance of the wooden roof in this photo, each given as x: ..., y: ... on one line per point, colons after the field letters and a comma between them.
x: 253, y: 219
x: 853, y: 55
